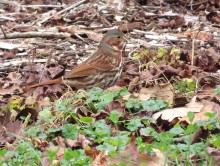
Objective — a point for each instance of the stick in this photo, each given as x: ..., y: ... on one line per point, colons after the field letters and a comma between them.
x: 41, y: 6
x: 64, y: 10
x: 9, y: 46
x: 17, y: 63
x: 156, y: 36
x: 35, y: 34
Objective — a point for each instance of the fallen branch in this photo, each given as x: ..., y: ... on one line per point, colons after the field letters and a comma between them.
x: 10, y: 46
x: 35, y: 34
x: 41, y: 6
x: 156, y: 36
x: 17, y: 63
x: 64, y: 10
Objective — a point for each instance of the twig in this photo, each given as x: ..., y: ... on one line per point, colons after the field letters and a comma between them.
x: 35, y: 34
x: 193, y: 49
x: 198, y: 3
x: 42, y: 6
x: 156, y: 36
x: 64, y: 10
x: 16, y: 62
x: 9, y: 2
x: 106, y: 29
x: 151, y: 7
x: 3, y: 31
x: 10, y: 46
x: 191, y: 3
x: 145, y: 43
x: 5, y: 18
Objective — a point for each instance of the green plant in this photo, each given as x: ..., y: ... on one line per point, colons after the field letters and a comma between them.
x: 133, y: 124
x: 133, y: 105
x: 70, y: 131
x: 154, y: 105
x: 186, y: 86
x: 23, y: 154
x: 75, y: 157
x: 97, y: 99
x: 217, y: 90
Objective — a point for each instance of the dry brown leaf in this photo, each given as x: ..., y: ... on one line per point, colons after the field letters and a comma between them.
x: 30, y: 100
x: 92, y: 153
x: 207, y: 59
x: 44, y: 103
x: 209, y: 107
x: 79, y: 30
x: 177, y: 21
x: 214, y: 16
x: 164, y: 92
x: 199, y: 35
x: 60, y: 151
x: 101, y: 159
x: 9, y: 90
x: 215, y: 154
x: 59, y: 141
x: 143, y: 97
x: 131, y: 156
x: 73, y: 143
x: 6, y: 125
x: 134, y: 82
x: 170, y: 114
x: 85, y: 142
x: 157, y: 160
x: 115, y: 105
x: 131, y: 26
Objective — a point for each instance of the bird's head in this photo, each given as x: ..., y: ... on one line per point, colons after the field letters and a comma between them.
x: 115, y: 39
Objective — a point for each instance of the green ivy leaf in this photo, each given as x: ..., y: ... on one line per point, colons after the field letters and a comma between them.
x: 176, y: 130
x: 134, y: 124
x: 114, y: 116
x: 136, y: 56
x: 154, y: 105
x: 161, y: 52
x: 175, y: 51
x: 191, y: 128
x: 106, y: 146
x: 75, y: 157
x: 217, y: 90
x: 102, y: 130
x: 133, y: 103
x: 70, y: 131
x: 191, y: 116
x: 46, y: 115
x: 86, y: 119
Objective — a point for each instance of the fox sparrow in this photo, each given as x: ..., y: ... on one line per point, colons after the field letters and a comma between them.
x: 102, y: 69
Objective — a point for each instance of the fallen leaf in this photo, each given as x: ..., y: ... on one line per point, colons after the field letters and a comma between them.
x: 215, y: 154
x: 214, y: 16
x: 131, y: 156
x: 92, y: 153
x: 170, y: 114
x: 209, y: 107
x: 198, y: 35
x: 164, y: 92
x: 102, y: 159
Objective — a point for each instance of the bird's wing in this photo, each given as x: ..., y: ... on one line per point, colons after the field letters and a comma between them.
x: 87, y: 69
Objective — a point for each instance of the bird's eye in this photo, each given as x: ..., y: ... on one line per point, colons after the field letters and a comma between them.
x: 118, y: 37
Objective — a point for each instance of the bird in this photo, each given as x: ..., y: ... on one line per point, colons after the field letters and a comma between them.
x: 102, y: 69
